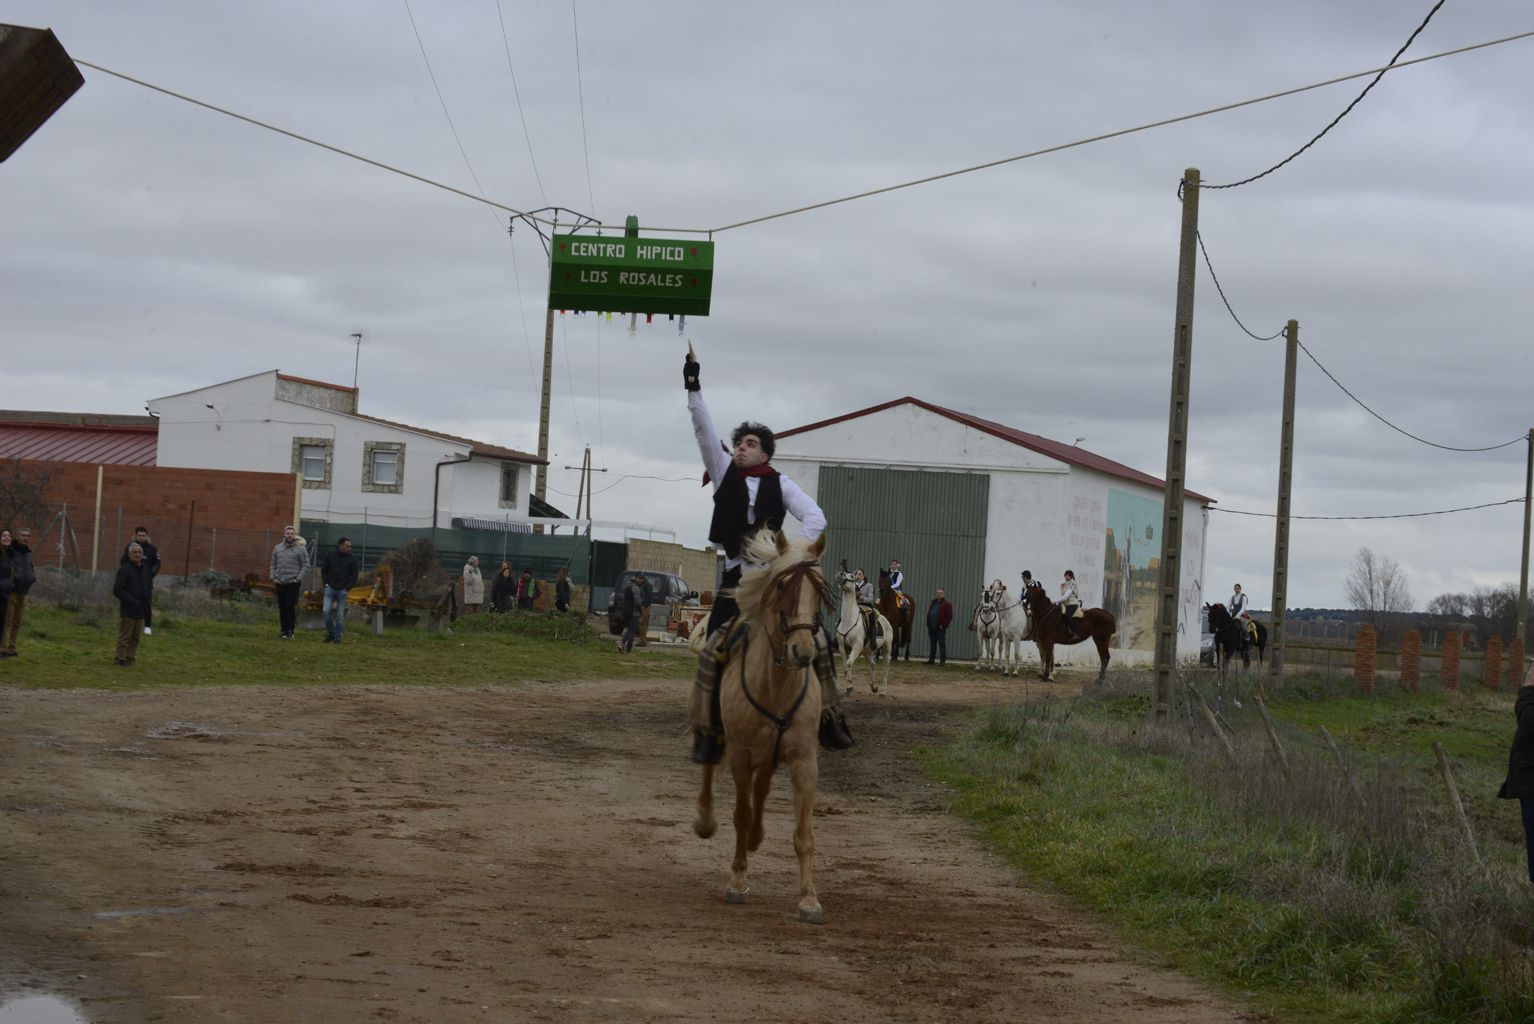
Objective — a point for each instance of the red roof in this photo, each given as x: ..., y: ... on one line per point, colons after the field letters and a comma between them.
x: 1067, y: 453
x: 109, y: 445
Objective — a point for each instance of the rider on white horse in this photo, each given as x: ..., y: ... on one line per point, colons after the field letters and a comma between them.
x: 749, y: 495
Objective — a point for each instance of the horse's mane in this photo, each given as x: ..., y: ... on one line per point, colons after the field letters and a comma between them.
x: 761, y: 551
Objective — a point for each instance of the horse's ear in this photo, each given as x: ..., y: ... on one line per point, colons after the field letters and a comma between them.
x: 780, y: 540
x: 818, y: 548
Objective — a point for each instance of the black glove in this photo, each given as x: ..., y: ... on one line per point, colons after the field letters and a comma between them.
x: 690, y: 374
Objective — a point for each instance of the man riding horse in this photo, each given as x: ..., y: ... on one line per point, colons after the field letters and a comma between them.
x: 1237, y: 609
x: 749, y: 495
x: 867, y: 604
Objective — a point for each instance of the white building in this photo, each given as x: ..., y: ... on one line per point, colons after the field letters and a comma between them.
x: 353, y: 467
x: 962, y: 501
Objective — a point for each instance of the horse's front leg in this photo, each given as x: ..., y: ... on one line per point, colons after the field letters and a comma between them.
x: 704, y: 824
x: 805, y: 773
x: 761, y: 786
x: 739, y: 884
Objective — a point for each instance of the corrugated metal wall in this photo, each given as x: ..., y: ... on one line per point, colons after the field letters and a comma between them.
x: 934, y: 523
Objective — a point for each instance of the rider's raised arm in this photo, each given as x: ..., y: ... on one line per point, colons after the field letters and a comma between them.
x: 812, y: 521
x: 715, y: 459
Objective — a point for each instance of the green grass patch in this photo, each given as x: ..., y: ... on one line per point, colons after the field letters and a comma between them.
x: 62, y: 648
x: 1289, y: 895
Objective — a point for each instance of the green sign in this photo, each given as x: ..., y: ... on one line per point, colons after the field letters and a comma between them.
x: 631, y: 275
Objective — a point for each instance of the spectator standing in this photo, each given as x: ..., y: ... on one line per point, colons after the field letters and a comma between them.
x: 338, y: 571
x: 939, y: 618
x: 503, y: 593
x: 7, y: 573
x: 633, y: 610
x: 23, y: 575
x: 131, y: 588
x: 562, y: 589
x: 473, y: 586
x: 290, y: 560
x: 1520, y: 765
x: 151, y: 566
x: 527, y: 589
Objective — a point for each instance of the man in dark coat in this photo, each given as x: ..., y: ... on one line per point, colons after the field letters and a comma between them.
x: 939, y: 617
x: 131, y: 589
x: 633, y: 610
x: 338, y: 569
x: 23, y: 575
x: 1520, y: 764
x: 151, y: 569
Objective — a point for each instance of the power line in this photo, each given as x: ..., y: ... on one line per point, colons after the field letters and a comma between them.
x: 520, y: 112
x: 1403, y: 515
x: 634, y: 476
x: 1216, y: 279
x: 440, y: 99
x: 1392, y: 426
x: 1345, y: 112
x: 580, y: 93
x: 829, y: 202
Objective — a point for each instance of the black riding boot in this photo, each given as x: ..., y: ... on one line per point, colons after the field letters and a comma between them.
x: 834, y: 734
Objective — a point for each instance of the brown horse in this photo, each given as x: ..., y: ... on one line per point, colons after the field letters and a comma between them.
x: 1049, y: 629
x: 770, y: 700
x: 901, y: 613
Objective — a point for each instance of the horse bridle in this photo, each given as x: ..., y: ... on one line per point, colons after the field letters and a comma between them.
x: 788, y: 584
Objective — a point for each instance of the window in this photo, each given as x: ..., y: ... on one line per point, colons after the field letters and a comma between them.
x: 312, y: 461
x: 509, y: 486
x: 383, y: 467
x: 312, y: 457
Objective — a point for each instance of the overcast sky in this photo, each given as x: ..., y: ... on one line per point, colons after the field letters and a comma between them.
x: 151, y: 246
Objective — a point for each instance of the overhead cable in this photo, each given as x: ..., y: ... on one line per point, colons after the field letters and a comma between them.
x: 830, y: 202
x: 1345, y: 112
x: 1431, y: 444
x: 580, y: 94
x: 506, y: 42
x: 1403, y: 515
x: 1216, y: 279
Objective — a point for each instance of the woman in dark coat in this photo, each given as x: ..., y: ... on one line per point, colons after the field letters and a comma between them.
x: 504, y: 591
x: 1520, y: 764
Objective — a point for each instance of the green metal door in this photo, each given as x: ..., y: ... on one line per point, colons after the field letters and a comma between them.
x: 934, y: 523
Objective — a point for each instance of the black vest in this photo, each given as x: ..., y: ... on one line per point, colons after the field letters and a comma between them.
x: 729, y: 528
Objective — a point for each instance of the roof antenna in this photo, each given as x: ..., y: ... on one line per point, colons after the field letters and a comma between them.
x: 358, y: 361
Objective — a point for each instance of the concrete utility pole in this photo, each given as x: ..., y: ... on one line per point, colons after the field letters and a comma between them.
x: 1169, y: 580
x: 1523, y: 575
x: 1285, y: 484
x: 540, y: 486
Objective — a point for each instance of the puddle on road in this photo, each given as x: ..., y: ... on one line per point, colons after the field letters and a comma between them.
x: 39, y: 1010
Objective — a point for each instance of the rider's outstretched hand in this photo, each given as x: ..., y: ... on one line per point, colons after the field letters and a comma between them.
x: 690, y: 373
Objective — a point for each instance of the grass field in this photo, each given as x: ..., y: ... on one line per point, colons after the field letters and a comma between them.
x: 74, y: 648
x: 1314, y: 904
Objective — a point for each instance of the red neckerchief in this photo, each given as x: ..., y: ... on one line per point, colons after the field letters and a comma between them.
x: 764, y: 469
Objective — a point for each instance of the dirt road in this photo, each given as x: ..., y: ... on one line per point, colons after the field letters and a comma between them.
x: 509, y: 853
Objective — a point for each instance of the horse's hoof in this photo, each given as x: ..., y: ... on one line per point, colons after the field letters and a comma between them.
x: 705, y: 827
x: 731, y: 896
x: 812, y: 915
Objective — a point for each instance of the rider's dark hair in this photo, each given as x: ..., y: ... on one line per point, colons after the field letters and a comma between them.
x: 763, y: 434
x: 343, y: 540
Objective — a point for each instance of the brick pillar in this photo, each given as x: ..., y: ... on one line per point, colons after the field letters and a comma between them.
x: 1364, y: 646
x: 1450, y: 668
x: 1411, y: 659
x: 1515, y: 654
x: 1493, y: 663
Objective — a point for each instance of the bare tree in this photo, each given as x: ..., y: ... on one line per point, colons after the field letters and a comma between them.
x: 23, y: 495
x: 1376, y: 586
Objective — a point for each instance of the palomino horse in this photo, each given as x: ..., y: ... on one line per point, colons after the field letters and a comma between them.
x: 900, y: 610
x: 770, y: 701
x: 1049, y: 629
x: 852, y: 638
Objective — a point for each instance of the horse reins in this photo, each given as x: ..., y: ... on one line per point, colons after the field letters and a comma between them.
x: 788, y: 591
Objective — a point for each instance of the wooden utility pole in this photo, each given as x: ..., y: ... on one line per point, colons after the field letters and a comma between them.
x: 1281, y: 524
x: 1169, y: 581
x: 1523, y: 576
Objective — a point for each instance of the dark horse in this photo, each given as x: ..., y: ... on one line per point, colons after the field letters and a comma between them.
x: 901, y: 613
x: 1227, y: 639
x: 1049, y: 629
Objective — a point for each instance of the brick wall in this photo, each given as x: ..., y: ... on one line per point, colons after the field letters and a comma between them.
x: 198, y: 518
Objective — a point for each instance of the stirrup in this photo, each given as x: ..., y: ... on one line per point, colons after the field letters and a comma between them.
x: 834, y: 734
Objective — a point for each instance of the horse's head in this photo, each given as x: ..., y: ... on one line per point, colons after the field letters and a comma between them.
x: 786, y: 596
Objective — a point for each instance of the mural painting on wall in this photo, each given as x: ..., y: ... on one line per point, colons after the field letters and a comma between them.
x: 1131, y: 562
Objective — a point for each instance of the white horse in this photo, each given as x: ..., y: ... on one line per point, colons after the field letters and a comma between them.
x: 1016, y: 627
x: 988, y: 628
x: 852, y: 640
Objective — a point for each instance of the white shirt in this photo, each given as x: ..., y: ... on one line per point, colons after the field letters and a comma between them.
x: 1068, y: 593
x: 812, y: 521
x: 1237, y: 605
x: 897, y: 580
